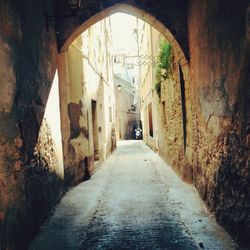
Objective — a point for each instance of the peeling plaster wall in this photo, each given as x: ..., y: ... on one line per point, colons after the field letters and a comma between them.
x: 75, y: 133
x: 85, y: 74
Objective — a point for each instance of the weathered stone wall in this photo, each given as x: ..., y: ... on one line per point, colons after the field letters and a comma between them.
x: 169, y: 120
x: 170, y: 123
x: 27, y: 65
x: 215, y: 153
x: 219, y: 74
x: 44, y: 184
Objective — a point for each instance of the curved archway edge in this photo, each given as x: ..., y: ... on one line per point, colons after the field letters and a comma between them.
x: 131, y: 10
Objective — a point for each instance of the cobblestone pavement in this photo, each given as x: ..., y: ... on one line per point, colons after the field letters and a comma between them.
x: 134, y: 201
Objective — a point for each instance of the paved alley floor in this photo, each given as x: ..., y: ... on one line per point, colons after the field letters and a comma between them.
x: 134, y: 201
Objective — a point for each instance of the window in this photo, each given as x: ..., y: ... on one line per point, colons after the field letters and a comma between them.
x: 150, y: 120
x: 164, y: 118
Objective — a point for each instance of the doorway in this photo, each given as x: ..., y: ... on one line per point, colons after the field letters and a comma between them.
x: 95, y: 130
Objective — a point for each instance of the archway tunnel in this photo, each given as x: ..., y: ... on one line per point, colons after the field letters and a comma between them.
x: 211, y: 128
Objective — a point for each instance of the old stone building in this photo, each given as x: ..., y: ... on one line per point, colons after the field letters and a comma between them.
x: 148, y: 95
x: 127, y: 111
x: 209, y: 135
x: 163, y: 99
x: 88, y: 101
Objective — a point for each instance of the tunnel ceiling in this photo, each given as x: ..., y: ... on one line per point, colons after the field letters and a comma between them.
x: 171, y: 13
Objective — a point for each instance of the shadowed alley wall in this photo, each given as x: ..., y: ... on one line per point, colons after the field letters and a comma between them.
x: 28, y: 58
x: 219, y: 75
x: 214, y: 156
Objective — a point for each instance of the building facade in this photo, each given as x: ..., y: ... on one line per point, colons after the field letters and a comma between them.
x: 148, y: 96
x: 127, y: 110
x: 163, y: 103
x: 87, y: 103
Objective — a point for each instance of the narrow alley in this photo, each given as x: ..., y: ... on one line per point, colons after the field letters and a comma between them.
x: 78, y: 78
x: 134, y: 201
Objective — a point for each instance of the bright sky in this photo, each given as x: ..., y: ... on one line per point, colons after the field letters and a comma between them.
x: 122, y: 31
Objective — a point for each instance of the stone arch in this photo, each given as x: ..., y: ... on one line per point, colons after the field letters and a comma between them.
x: 29, y: 52
x: 181, y: 52
x: 141, y: 14
x: 181, y: 58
